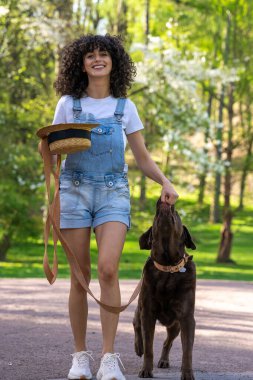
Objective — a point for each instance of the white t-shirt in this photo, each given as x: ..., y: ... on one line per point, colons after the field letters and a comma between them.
x: 100, y: 108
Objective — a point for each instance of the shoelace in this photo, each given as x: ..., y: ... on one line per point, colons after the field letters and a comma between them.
x: 110, y: 360
x: 83, y: 357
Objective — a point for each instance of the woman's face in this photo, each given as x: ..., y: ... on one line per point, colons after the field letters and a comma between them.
x: 97, y: 63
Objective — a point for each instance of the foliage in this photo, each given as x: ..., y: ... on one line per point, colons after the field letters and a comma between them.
x: 189, y: 55
x: 26, y: 74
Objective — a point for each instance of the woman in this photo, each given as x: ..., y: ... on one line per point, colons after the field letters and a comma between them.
x: 94, y: 76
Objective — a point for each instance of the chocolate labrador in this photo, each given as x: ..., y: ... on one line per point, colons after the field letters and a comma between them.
x: 168, y: 291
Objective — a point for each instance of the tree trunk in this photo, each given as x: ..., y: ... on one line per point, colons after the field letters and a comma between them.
x: 226, y: 240
x: 167, y: 168
x: 229, y: 149
x: 248, y: 158
x: 143, y: 178
x: 202, y: 177
x: 147, y: 22
x: 122, y: 18
x: 87, y: 16
x: 226, y: 235
x: 65, y: 12
x: 5, y: 244
x: 202, y: 185
x: 142, y: 192
x: 215, y: 216
x: 245, y: 171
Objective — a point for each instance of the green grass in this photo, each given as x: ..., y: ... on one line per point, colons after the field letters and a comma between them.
x: 25, y: 258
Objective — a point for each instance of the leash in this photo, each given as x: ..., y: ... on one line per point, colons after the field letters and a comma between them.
x: 53, y: 220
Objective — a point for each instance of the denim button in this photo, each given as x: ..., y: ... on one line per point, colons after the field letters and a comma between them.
x: 110, y: 183
x: 110, y: 150
x: 99, y: 130
x: 76, y: 183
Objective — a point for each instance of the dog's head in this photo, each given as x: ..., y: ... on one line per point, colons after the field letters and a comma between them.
x: 167, y: 230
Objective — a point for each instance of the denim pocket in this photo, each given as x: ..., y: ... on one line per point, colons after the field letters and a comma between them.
x: 101, y: 140
x: 119, y: 196
x: 69, y: 195
x: 122, y: 187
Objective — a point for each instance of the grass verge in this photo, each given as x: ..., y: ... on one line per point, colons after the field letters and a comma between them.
x: 25, y: 258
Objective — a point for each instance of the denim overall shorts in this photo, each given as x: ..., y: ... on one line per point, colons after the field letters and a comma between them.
x: 93, y: 184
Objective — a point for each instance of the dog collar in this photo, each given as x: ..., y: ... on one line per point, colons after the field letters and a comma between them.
x: 172, y: 268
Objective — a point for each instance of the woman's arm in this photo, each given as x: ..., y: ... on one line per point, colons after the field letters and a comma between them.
x: 149, y: 167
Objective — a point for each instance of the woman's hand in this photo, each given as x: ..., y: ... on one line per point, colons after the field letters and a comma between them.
x: 39, y: 148
x: 168, y: 193
x: 53, y: 156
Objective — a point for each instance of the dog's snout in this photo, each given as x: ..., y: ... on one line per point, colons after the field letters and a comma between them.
x: 166, y: 208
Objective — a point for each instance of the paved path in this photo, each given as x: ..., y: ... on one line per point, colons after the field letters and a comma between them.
x: 175, y: 375
x: 35, y: 335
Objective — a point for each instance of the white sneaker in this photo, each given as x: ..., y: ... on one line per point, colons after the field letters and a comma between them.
x: 109, y: 368
x: 80, y: 366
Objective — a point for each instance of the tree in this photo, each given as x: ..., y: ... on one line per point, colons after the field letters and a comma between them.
x: 27, y: 75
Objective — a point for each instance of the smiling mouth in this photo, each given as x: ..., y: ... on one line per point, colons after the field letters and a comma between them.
x: 98, y: 67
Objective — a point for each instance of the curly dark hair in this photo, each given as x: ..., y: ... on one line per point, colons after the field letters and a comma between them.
x: 73, y: 81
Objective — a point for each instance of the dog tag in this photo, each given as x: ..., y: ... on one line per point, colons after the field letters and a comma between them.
x: 182, y: 270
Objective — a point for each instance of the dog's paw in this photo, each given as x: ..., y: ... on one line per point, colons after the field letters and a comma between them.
x: 187, y: 375
x: 163, y: 364
x: 145, y: 373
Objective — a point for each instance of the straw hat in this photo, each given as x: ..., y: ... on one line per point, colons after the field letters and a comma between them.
x: 67, y: 138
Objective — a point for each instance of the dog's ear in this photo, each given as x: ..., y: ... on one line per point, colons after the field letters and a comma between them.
x: 188, y: 239
x: 145, y: 241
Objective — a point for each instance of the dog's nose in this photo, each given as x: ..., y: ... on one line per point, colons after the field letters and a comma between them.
x: 167, y: 207
x: 165, y: 210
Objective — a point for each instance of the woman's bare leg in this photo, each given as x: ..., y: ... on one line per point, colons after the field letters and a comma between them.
x: 79, y: 240
x: 110, y: 239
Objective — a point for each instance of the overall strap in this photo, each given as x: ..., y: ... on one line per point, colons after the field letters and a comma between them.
x: 77, y: 108
x: 119, y: 111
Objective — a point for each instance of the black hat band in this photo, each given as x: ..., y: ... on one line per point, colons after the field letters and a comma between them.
x: 68, y: 133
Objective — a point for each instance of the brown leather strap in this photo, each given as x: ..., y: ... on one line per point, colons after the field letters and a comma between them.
x: 53, y: 219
